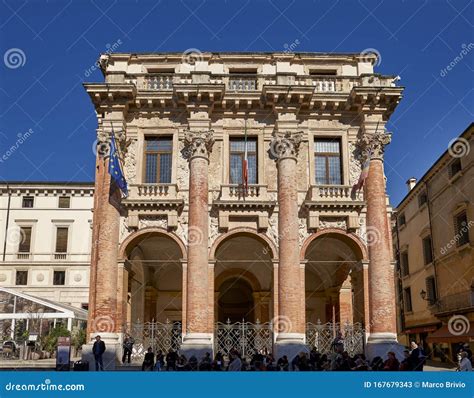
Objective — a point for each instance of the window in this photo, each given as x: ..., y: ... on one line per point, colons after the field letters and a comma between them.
x: 402, y: 220
x: 59, y: 277
x: 158, y: 153
x: 327, y: 157
x: 61, y: 239
x: 322, y: 72
x: 25, y: 242
x: 422, y: 199
x: 64, y: 202
x: 21, y: 278
x: 27, y: 201
x: 407, y: 298
x: 431, y: 289
x: 461, y: 226
x: 404, y: 263
x: 237, y: 156
x: 427, y: 251
x: 455, y: 167
x: 85, y: 306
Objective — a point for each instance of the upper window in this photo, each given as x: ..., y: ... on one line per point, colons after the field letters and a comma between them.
x: 21, y: 278
x: 407, y: 297
x: 237, y: 158
x: 402, y: 219
x: 427, y: 250
x: 404, y: 263
x: 59, y: 278
x: 25, y: 242
x: 455, y: 167
x: 158, y: 155
x: 461, y: 226
x: 431, y: 289
x: 422, y: 198
x: 64, y: 202
x: 27, y: 201
x: 61, y: 239
x: 327, y: 157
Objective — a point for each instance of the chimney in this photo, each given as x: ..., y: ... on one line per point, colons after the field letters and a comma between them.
x: 411, y: 183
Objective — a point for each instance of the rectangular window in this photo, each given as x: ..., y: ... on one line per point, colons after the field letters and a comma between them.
x: 422, y: 199
x: 21, y: 278
x: 431, y: 289
x: 407, y: 298
x: 25, y: 242
x: 237, y: 156
x: 455, y: 167
x: 158, y: 156
x: 59, y: 278
x: 404, y: 263
x: 427, y: 250
x: 61, y: 239
x: 461, y: 228
x: 27, y: 201
x: 402, y: 220
x: 64, y: 202
x: 328, y: 164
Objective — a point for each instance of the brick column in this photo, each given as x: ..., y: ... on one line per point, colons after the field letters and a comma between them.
x: 290, y: 338
x: 198, y: 337
x: 383, y: 331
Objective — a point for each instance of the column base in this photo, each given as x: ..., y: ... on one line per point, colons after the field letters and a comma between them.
x: 379, y: 344
x: 112, y: 352
x: 197, y: 344
x: 289, y: 344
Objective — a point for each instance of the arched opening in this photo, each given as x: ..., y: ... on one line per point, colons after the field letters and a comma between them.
x: 235, y: 301
x: 334, y: 287
x: 243, y: 278
x: 155, y: 277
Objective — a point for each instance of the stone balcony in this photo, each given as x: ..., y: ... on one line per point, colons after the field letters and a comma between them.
x: 153, y: 200
x: 234, y: 201
x: 457, y: 302
x: 336, y: 201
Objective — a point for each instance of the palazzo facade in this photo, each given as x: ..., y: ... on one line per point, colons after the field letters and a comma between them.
x: 192, y: 244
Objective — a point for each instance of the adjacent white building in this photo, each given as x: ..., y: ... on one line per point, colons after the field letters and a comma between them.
x: 45, y: 235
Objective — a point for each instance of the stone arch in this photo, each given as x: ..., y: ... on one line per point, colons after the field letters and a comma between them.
x: 252, y: 232
x: 352, y: 240
x: 135, y: 237
x: 238, y: 273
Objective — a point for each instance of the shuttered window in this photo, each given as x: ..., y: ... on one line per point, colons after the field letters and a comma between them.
x: 25, y: 242
x: 327, y: 158
x: 404, y: 263
x: 407, y: 298
x: 431, y: 289
x: 461, y: 225
x: 237, y: 156
x: 158, y: 156
x: 427, y: 250
x: 61, y: 239
x: 64, y: 202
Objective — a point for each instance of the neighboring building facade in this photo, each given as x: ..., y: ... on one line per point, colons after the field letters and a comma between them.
x: 46, y: 234
x: 435, y: 241
x: 191, y: 245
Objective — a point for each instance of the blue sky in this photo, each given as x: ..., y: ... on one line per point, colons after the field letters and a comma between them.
x: 43, y: 103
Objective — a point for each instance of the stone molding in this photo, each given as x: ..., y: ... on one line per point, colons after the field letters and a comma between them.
x: 285, y: 145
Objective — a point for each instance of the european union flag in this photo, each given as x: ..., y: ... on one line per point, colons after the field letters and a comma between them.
x: 115, y: 170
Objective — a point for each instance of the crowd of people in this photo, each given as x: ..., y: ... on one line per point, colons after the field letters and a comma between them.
x: 337, y: 360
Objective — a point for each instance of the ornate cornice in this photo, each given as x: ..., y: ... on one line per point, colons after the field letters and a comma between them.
x: 198, y: 143
x: 285, y: 145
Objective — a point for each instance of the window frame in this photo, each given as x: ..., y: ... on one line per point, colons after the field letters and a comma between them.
x: 431, y: 298
x: 158, y: 154
x: 404, y: 265
x: 68, y: 202
x: 422, y: 199
x: 457, y: 227
x: 58, y: 227
x: 430, y: 256
x: 408, y: 299
x: 19, y: 249
x: 241, y: 154
x: 400, y: 218
x: 61, y: 272
x: 450, y: 167
x: 23, y: 201
x: 23, y: 272
x: 328, y: 155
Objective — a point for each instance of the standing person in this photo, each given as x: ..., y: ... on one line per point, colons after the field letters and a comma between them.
x: 391, y: 363
x: 171, y: 359
x: 236, y: 364
x: 282, y: 363
x: 149, y: 360
x: 127, y: 348
x: 465, y: 364
x: 415, y: 357
x: 160, y: 360
x: 406, y: 364
x: 98, y: 350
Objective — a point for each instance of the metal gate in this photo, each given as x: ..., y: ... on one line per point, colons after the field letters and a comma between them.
x: 322, y: 335
x: 159, y: 336
x: 246, y: 337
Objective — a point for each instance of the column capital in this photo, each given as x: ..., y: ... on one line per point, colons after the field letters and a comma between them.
x: 285, y: 144
x: 373, y: 144
x: 198, y: 143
